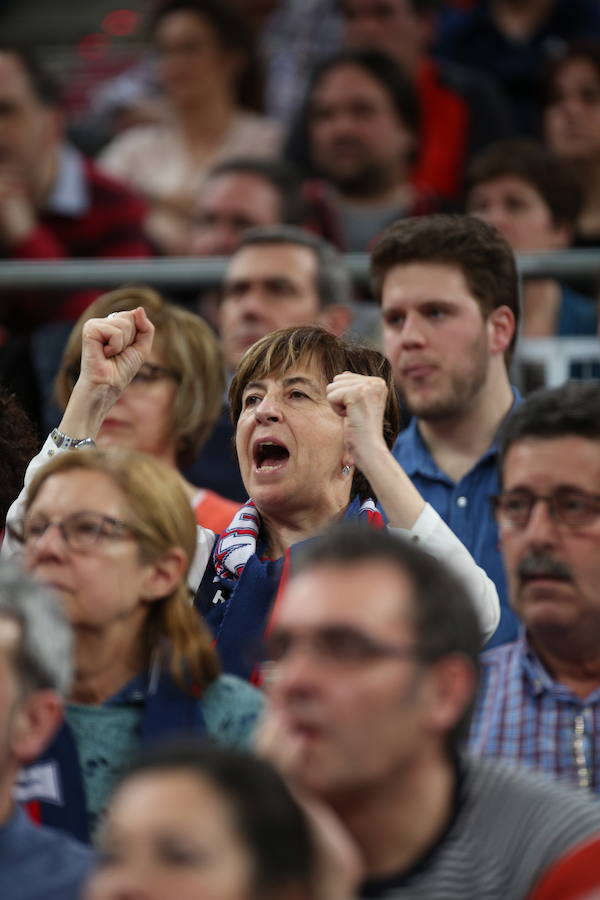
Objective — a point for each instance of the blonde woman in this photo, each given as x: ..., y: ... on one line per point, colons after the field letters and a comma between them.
x: 111, y: 530
x: 172, y: 403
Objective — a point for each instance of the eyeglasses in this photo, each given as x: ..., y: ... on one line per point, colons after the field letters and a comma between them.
x: 336, y: 646
x: 81, y: 531
x: 148, y: 374
x: 571, y: 507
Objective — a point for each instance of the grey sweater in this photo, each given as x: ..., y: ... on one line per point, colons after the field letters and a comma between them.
x: 509, y: 827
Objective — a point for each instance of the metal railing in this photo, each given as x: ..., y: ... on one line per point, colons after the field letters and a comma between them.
x: 186, y: 272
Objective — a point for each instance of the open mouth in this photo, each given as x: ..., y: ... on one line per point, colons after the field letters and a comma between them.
x: 269, y: 455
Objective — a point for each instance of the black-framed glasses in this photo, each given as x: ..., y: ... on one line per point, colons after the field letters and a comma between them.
x: 336, y: 646
x: 570, y: 506
x: 81, y: 531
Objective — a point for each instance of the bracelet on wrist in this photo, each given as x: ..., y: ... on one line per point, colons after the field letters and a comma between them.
x: 64, y: 442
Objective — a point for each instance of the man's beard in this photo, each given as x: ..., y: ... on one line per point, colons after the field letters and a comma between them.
x: 365, y: 180
x: 463, y: 387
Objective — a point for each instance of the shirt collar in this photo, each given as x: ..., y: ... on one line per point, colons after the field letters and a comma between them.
x: 539, y: 678
x: 140, y: 687
x: 416, y: 459
x: 70, y: 195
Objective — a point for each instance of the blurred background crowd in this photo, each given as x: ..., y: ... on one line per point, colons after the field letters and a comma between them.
x: 254, y: 161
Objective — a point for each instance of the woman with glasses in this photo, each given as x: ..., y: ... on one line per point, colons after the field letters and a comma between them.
x: 112, y: 532
x: 173, y: 401
x: 315, y: 418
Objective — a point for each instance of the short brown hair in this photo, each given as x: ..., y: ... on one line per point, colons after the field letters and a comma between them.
x: 552, y: 178
x: 160, y: 512
x: 282, y: 350
x: 478, y: 250
x: 189, y: 348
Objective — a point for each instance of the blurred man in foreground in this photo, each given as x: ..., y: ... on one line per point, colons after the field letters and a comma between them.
x: 373, y: 668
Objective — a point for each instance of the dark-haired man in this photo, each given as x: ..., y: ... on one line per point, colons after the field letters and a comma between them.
x: 363, y: 136
x: 240, y: 194
x: 373, y: 666
x: 461, y: 111
x: 54, y: 205
x: 540, y: 699
x: 449, y: 298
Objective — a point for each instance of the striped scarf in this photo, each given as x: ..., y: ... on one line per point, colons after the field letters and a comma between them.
x: 237, y: 543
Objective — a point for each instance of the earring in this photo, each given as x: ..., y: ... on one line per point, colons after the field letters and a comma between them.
x: 345, y: 471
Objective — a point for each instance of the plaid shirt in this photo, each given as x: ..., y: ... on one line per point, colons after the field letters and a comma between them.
x: 526, y: 717
x: 88, y: 214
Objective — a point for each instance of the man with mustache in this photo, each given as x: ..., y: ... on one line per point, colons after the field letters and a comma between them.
x: 540, y: 699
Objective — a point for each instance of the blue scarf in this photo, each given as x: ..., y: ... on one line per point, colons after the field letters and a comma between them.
x: 239, y: 588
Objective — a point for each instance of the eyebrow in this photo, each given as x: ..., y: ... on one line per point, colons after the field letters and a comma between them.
x: 245, y: 282
x: 558, y: 487
x: 287, y: 382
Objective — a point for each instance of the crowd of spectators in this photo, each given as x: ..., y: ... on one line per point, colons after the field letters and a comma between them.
x: 328, y: 583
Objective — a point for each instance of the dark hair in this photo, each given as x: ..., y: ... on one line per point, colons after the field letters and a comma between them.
x: 267, y: 816
x: 281, y: 176
x: 529, y: 160
x: 281, y: 350
x: 478, y: 250
x: 419, y: 7
x: 385, y: 70
x: 443, y: 616
x: 233, y: 34
x: 587, y: 49
x: 333, y: 281
x: 44, y: 86
x: 18, y: 444
x: 571, y: 409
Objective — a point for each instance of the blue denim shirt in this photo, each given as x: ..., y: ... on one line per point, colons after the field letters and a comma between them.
x: 465, y: 508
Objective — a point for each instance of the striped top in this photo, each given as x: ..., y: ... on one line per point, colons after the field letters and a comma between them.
x: 524, y: 716
x: 509, y: 828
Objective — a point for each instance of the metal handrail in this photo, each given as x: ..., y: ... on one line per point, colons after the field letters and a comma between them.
x: 186, y: 272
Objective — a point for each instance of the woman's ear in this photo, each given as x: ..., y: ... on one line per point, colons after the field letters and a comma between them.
x: 165, y: 574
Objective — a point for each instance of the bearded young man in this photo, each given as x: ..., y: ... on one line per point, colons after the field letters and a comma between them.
x: 449, y: 295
